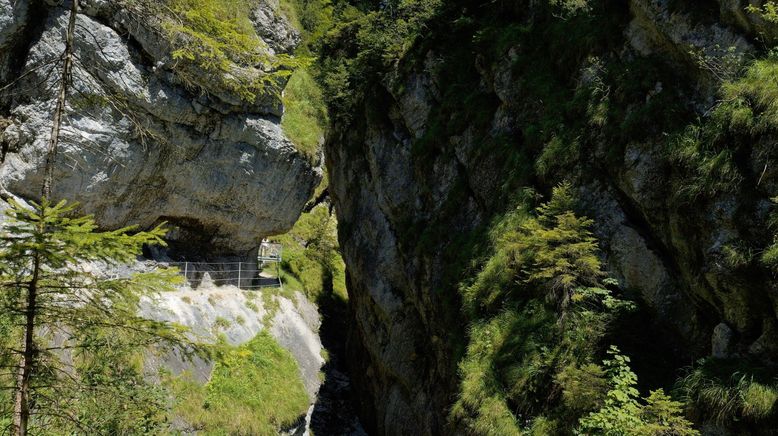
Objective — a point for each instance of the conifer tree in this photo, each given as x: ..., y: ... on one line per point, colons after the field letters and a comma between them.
x: 82, y: 339
x: 73, y: 345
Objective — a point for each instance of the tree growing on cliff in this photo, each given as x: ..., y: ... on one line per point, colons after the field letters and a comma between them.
x: 80, y: 365
x: 71, y: 353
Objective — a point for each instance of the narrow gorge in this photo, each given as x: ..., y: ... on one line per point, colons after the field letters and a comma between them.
x: 497, y: 217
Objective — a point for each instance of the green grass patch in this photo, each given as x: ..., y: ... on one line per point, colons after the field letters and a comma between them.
x: 707, y: 151
x: 270, y: 304
x: 222, y: 323
x: 730, y: 391
x: 254, y: 389
x: 305, y: 114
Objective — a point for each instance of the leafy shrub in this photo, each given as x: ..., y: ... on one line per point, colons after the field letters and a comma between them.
x: 312, y: 262
x: 768, y: 11
x: 540, y: 307
x: 623, y: 413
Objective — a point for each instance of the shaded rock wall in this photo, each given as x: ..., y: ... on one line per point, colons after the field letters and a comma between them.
x: 403, y: 214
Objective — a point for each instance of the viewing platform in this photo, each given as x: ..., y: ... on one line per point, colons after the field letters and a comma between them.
x: 264, y: 273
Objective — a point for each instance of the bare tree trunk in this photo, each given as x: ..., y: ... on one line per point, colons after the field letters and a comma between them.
x: 21, y: 415
x: 51, y: 153
x: 22, y: 400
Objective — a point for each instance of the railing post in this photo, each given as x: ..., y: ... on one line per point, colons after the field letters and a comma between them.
x: 239, y: 263
x: 186, y: 267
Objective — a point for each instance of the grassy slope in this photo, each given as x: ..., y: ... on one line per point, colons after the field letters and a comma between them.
x: 305, y: 115
x: 254, y: 389
x: 312, y: 264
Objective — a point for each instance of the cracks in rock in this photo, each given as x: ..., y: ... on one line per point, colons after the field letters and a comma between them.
x: 703, y: 309
x: 638, y: 222
x: 465, y: 176
x: 17, y: 52
x: 324, y: 197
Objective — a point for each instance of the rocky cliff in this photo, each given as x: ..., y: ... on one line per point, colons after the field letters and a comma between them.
x: 447, y: 116
x: 148, y: 138
x: 494, y: 100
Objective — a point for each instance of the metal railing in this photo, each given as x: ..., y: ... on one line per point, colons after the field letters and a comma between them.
x: 269, y: 252
x: 244, y: 275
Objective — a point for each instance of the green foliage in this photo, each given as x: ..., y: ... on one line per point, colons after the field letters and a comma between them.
x: 729, y: 391
x: 559, y: 250
x: 377, y: 39
x: 570, y: 7
x: 749, y: 102
x: 540, y: 307
x: 768, y: 11
x: 219, y: 37
x: 770, y: 255
x: 583, y: 388
x: 254, y: 389
x: 312, y: 262
x: 623, y: 413
x: 252, y: 305
x: 270, y: 305
x: 305, y: 111
x: 222, y: 323
x: 554, y: 252
x: 89, y: 342
x: 305, y: 114
x: 711, y: 167
x: 706, y: 150
x: 131, y: 404
x: 388, y: 36
x: 313, y: 18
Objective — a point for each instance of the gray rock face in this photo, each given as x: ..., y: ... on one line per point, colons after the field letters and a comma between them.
x: 273, y: 27
x: 399, y: 328
x: 138, y: 145
x: 721, y: 341
x: 209, y: 310
x: 734, y: 13
x: 677, y: 33
x: 14, y: 17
